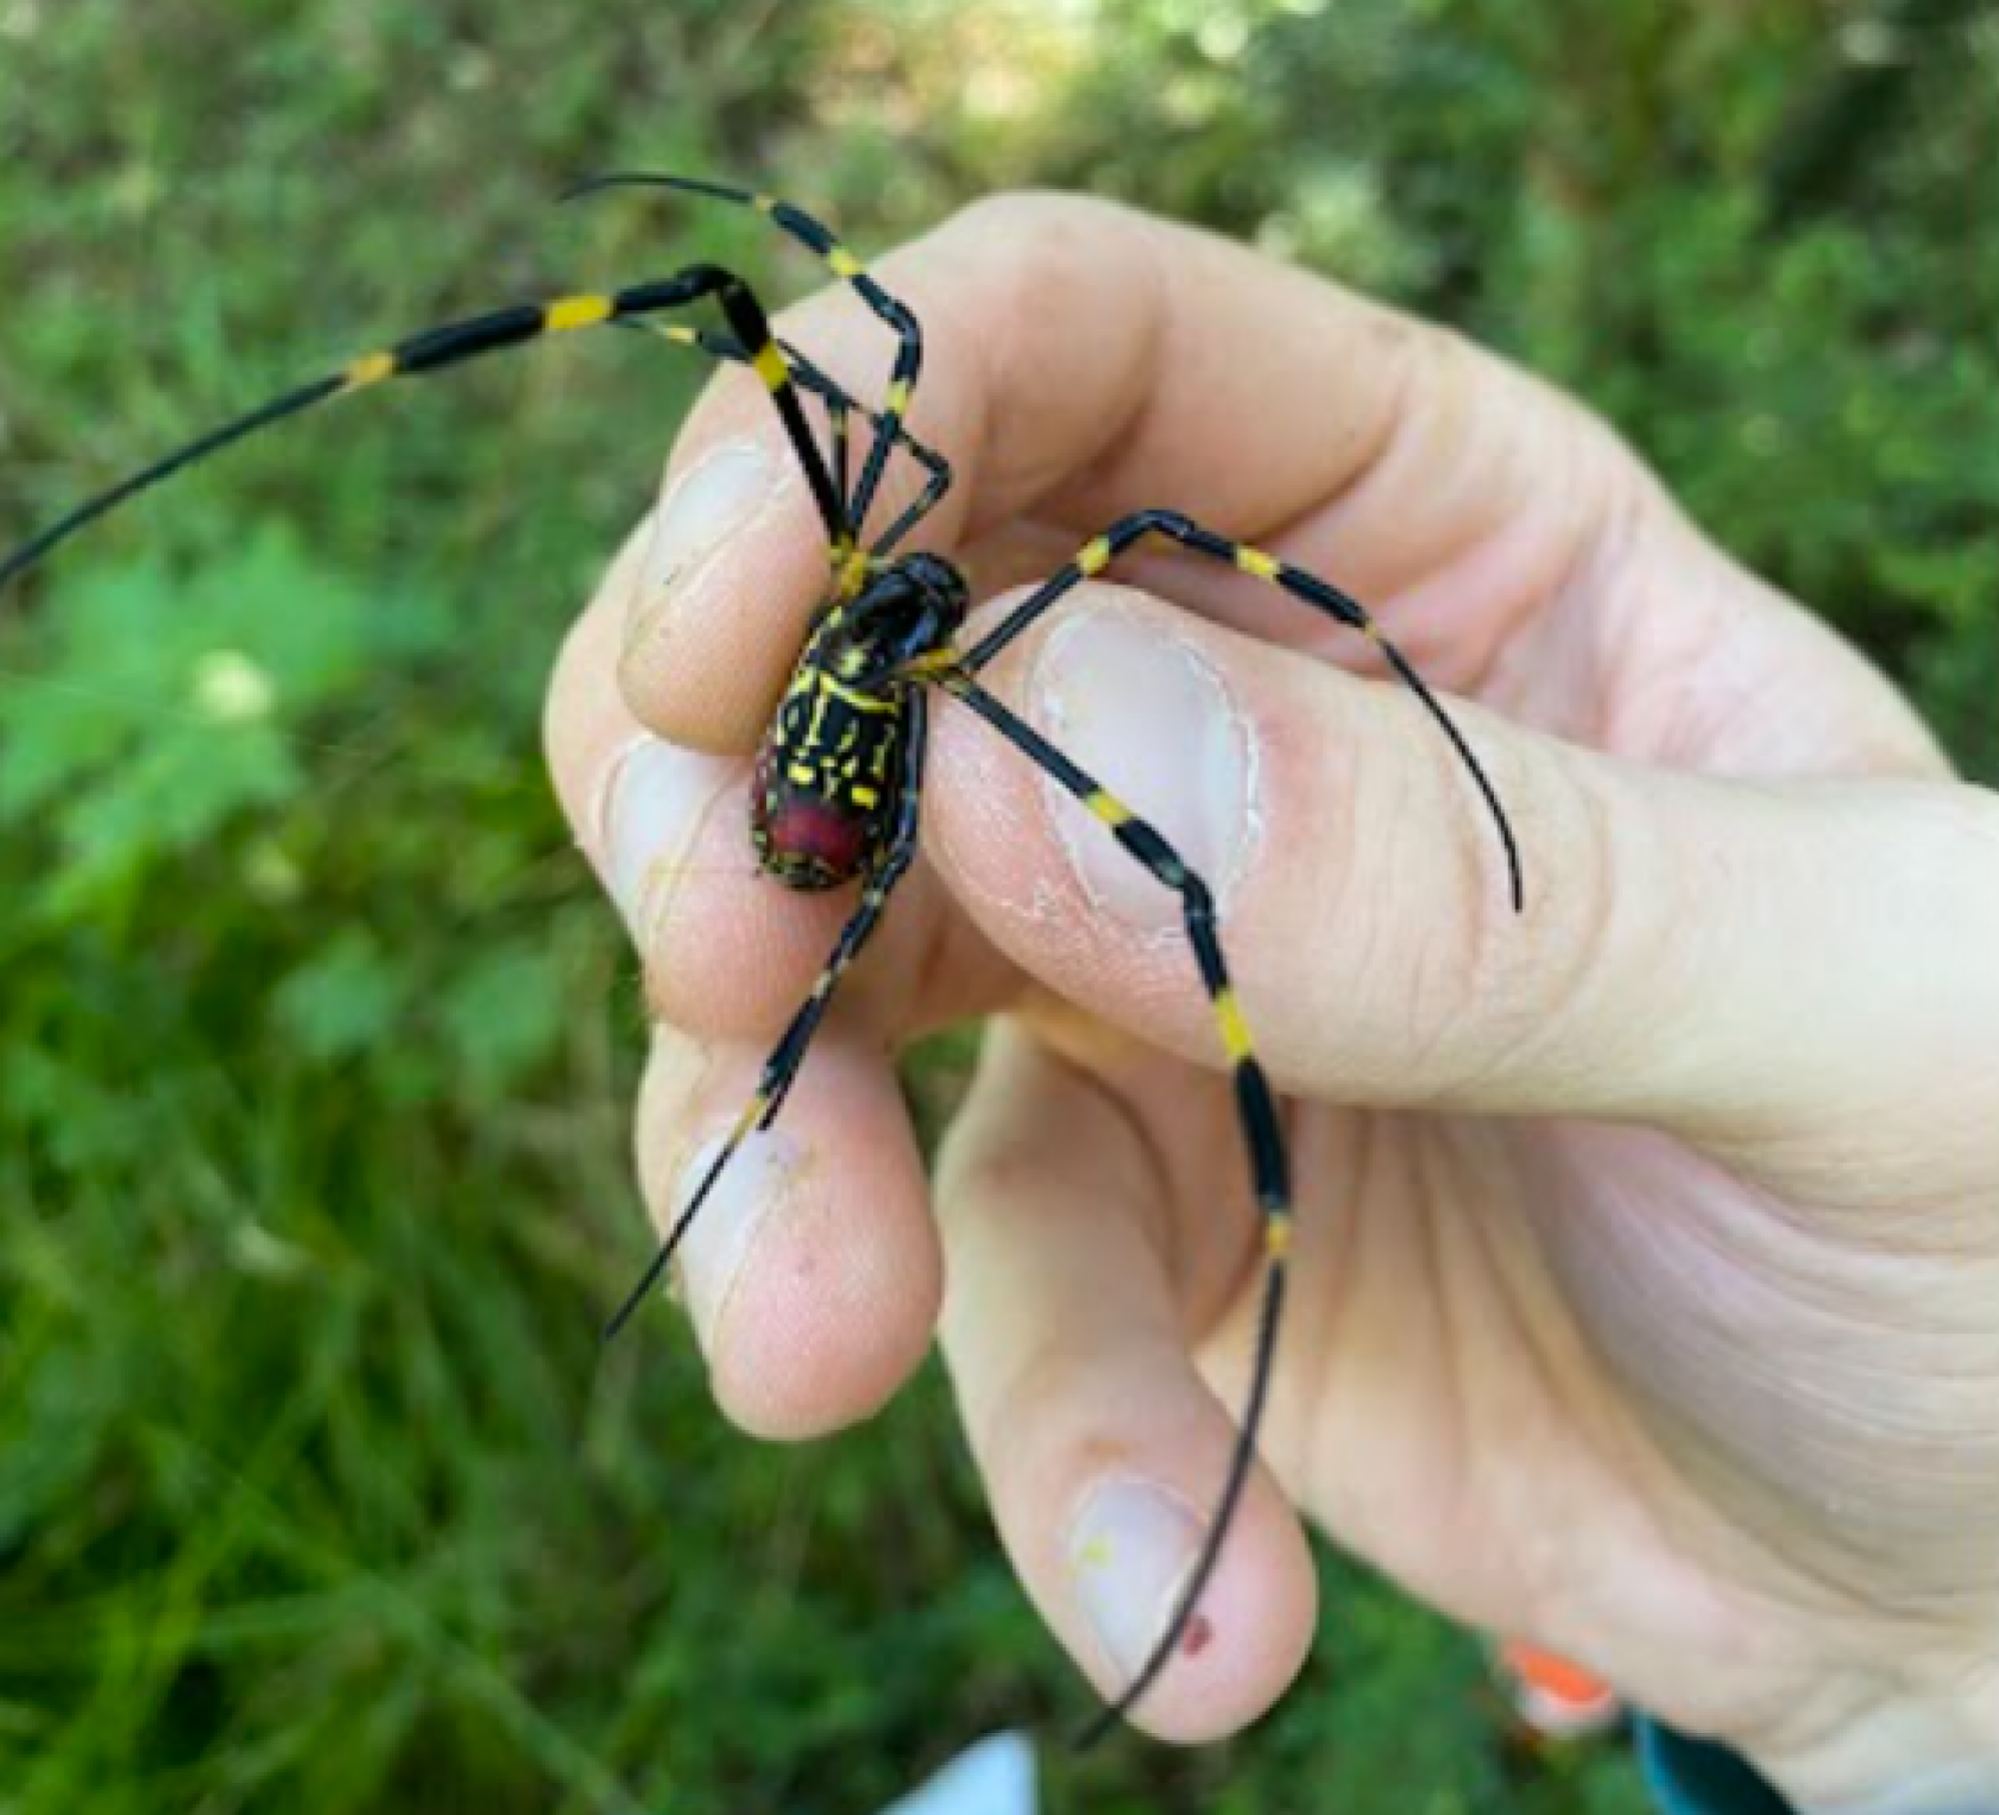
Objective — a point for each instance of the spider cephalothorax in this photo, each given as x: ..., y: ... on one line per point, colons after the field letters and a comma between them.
x: 839, y: 778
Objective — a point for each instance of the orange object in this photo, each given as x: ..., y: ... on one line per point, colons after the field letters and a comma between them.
x: 1555, y: 1697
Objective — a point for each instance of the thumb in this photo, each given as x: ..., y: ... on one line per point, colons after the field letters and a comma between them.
x: 1727, y: 958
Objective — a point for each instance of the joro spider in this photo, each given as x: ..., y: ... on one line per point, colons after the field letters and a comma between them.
x: 838, y: 779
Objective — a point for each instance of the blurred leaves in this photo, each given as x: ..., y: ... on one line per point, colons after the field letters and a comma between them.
x: 342, y: 1000
x: 162, y: 715
x: 315, y: 1042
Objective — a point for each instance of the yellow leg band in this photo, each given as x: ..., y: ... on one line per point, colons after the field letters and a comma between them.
x: 371, y: 369
x: 1235, y: 1030
x: 771, y: 367
x: 575, y: 312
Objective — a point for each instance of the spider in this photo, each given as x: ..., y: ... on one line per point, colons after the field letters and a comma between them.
x: 837, y: 787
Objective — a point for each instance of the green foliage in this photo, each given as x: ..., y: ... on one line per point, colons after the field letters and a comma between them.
x: 164, y: 716
x: 315, y: 1043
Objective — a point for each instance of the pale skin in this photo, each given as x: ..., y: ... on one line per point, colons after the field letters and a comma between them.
x: 1647, y: 1298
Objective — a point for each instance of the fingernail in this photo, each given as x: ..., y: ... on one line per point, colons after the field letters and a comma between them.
x: 654, y: 802
x: 722, y: 1240
x: 708, y: 505
x: 1130, y: 1549
x: 1151, y: 719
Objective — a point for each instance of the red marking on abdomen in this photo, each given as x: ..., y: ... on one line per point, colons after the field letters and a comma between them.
x: 1196, y: 1639
x: 817, y: 833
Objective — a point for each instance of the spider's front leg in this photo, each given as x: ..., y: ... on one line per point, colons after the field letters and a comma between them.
x: 1308, y: 589
x: 453, y: 343
x: 817, y: 237
x: 841, y: 407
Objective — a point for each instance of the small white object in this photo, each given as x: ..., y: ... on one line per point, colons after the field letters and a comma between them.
x: 994, y: 1777
x: 231, y: 688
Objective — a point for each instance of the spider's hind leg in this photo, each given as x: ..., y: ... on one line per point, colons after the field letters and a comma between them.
x: 1262, y: 1136
x: 781, y: 1069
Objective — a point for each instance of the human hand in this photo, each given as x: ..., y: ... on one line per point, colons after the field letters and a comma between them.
x: 1646, y: 1298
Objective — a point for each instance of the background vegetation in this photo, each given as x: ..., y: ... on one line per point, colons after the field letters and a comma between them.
x: 314, y: 1040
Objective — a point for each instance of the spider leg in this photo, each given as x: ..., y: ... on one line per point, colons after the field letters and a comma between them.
x: 840, y: 404
x: 811, y: 378
x: 434, y: 349
x: 1097, y: 554
x: 1262, y: 1136
x: 788, y: 1055
x: 919, y: 508
x: 839, y: 407
x: 844, y: 265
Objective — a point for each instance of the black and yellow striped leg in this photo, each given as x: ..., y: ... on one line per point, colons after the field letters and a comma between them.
x: 920, y: 507
x: 841, y: 405
x: 844, y: 265
x: 1309, y: 589
x: 788, y: 1055
x: 1262, y: 1135
x: 436, y: 349
x: 938, y: 469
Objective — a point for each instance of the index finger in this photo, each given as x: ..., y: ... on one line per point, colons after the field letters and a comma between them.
x: 1082, y: 361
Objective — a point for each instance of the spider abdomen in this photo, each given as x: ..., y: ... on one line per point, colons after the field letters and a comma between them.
x: 828, y: 780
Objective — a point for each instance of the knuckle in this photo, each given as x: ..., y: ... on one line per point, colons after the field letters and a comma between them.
x: 1503, y: 995
x: 1030, y: 220
x: 1042, y: 250
x: 1563, y: 997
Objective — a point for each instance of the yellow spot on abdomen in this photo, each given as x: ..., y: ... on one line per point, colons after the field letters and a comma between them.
x: 852, y: 663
